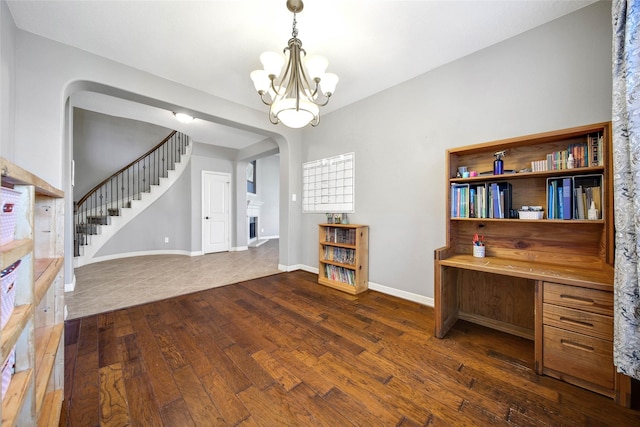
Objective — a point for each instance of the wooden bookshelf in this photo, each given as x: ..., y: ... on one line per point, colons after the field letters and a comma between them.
x: 344, y: 257
x: 529, y: 262
x: 36, y: 326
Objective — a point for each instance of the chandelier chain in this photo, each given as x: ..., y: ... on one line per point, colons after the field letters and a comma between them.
x: 294, y: 32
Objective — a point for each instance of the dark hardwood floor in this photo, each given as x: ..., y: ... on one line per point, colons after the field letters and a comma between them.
x: 285, y: 351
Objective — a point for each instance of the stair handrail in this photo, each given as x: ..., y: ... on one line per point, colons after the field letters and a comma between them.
x: 128, y: 183
x: 103, y: 182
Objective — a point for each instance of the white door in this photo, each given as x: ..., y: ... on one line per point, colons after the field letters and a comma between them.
x: 216, y: 214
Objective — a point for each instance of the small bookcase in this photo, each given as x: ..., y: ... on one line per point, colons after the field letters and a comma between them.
x: 343, y: 257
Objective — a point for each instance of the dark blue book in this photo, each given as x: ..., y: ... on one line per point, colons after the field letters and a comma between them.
x: 567, y: 192
x: 560, y: 202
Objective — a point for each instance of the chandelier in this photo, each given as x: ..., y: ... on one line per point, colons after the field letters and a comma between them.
x: 294, y: 97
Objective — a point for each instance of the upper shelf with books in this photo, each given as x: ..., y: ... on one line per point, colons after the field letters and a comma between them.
x: 532, y: 155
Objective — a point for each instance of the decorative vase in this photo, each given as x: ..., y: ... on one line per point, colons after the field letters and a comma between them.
x: 478, y: 251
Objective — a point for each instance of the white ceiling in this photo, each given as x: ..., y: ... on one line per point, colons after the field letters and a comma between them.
x: 213, y: 45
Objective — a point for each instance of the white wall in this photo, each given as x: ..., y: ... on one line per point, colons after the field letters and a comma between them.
x: 552, y: 77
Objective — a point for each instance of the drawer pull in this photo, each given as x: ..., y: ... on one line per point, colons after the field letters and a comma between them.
x: 576, y: 345
x: 576, y: 322
x: 581, y: 300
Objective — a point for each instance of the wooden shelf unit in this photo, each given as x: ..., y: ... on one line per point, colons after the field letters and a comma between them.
x: 527, y: 261
x: 36, y: 326
x: 350, y: 274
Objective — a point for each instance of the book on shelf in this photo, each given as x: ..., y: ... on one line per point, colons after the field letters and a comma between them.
x: 490, y: 200
x: 570, y: 197
x: 341, y: 255
x: 594, y: 148
x: 552, y: 199
x: 340, y: 235
x: 472, y: 202
x: 539, y: 166
x: 499, y: 199
x: 560, y: 195
x: 340, y: 274
x: 585, y: 154
x: 588, y: 188
x: 567, y: 196
x: 459, y: 200
x: 478, y: 208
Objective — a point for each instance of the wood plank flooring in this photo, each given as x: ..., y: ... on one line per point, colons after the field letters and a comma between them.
x: 285, y: 351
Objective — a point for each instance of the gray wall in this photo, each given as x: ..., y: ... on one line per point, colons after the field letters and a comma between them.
x: 43, y: 74
x: 177, y: 214
x: 552, y: 77
x: 268, y: 175
x: 169, y: 216
x: 7, y: 81
x: 209, y: 158
x: 103, y: 144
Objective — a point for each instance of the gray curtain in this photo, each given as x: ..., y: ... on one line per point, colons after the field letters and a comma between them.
x: 626, y: 182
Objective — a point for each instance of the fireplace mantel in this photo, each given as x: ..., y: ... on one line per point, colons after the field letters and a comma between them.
x: 253, y: 208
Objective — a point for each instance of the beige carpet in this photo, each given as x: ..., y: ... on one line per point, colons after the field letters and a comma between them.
x: 126, y: 282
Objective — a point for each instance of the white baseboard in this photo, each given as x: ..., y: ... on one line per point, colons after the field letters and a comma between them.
x: 239, y: 248
x: 409, y: 296
x: 313, y: 270
x: 140, y: 253
x: 420, y: 299
x: 70, y: 287
x: 290, y: 268
x: 269, y: 237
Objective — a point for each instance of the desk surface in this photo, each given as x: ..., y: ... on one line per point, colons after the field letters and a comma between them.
x: 597, y: 279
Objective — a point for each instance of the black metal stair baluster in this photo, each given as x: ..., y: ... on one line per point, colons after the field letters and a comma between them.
x: 139, y: 178
x: 155, y: 168
x: 118, y: 191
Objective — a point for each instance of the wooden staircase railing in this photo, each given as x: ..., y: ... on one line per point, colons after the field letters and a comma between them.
x: 117, y: 191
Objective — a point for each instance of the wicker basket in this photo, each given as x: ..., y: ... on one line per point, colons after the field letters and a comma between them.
x: 8, y: 214
x: 8, y: 292
x: 7, y: 371
x: 530, y: 214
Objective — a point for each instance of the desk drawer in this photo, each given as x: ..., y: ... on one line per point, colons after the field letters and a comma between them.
x: 580, y: 356
x: 584, y: 322
x: 591, y: 300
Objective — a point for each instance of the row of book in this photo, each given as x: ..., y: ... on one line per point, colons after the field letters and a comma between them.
x: 572, y: 197
x: 490, y: 200
x: 341, y: 255
x: 584, y: 154
x: 340, y: 235
x: 340, y: 274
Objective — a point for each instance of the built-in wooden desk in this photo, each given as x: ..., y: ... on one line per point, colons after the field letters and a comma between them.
x: 549, y: 278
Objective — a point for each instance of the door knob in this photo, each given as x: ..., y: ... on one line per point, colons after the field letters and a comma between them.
x: 206, y: 217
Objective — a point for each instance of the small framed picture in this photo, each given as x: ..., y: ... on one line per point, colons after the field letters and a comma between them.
x: 251, y: 177
x: 251, y: 171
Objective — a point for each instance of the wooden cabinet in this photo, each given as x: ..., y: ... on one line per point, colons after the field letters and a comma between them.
x: 344, y: 259
x: 578, y: 336
x: 36, y: 325
x: 547, y: 279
